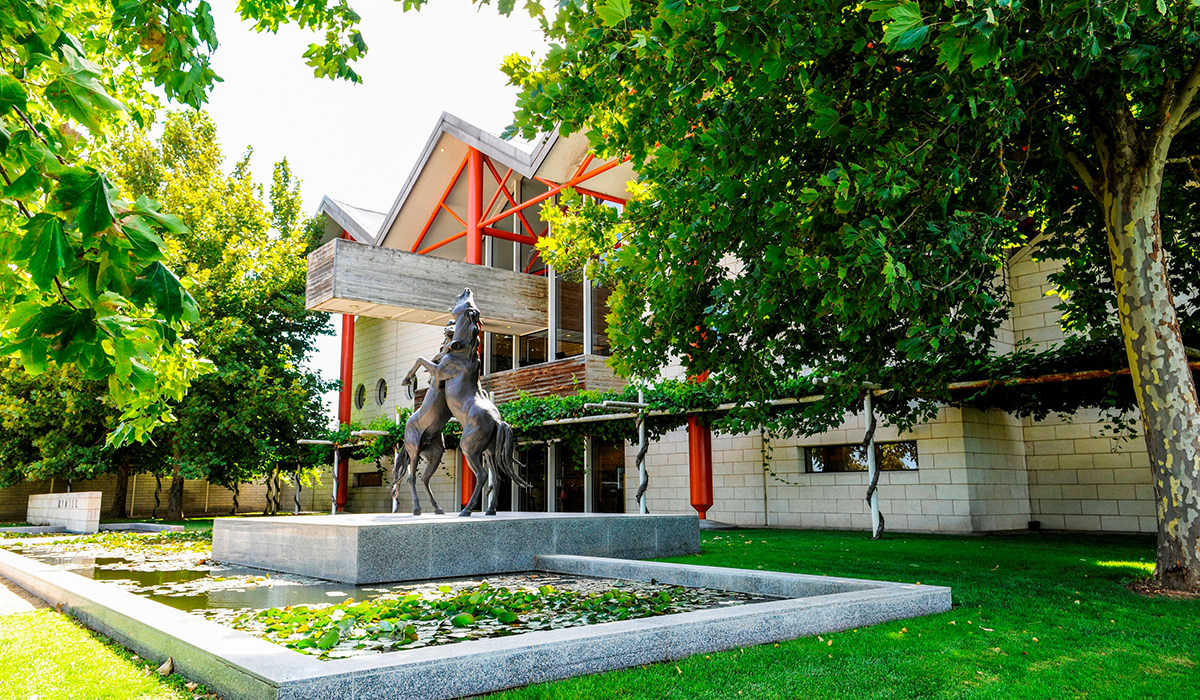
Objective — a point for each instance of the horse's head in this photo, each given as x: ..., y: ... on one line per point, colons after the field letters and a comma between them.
x: 466, y: 321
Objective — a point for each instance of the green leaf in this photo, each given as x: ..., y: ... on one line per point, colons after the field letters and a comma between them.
x: 329, y: 639
x: 76, y: 93
x: 614, y: 12
x: 147, y: 245
x: 463, y: 620
x: 46, y: 247
x: 904, y: 17
x: 160, y: 286
x: 26, y: 184
x: 950, y: 52
x: 12, y: 93
x: 90, y: 194
x: 150, y: 208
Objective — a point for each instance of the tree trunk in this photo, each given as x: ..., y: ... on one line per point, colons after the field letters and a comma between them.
x: 1162, y: 380
x: 121, y: 492
x: 175, y: 498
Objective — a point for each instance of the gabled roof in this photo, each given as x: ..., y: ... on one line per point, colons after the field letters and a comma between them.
x: 521, y: 161
x: 549, y: 158
x: 361, y: 224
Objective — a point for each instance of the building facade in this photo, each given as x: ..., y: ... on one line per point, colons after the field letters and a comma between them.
x: 468, y: 216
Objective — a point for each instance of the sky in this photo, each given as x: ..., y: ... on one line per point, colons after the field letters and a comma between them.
x: 358, y: 143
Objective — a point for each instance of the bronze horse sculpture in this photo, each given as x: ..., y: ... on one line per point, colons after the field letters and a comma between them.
x: 423, y: 436
x: 487, y: 441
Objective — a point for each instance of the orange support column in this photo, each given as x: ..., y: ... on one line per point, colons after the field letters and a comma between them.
x: 700, y: 466
x: 345, y: 396
x: 474, y: 207
x: 474, y: 257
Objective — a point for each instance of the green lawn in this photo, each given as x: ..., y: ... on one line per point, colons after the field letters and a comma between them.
x: 47, y: 655
x: 1037, y: 616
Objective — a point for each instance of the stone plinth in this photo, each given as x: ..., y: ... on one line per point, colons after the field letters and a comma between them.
x: 77, y: 512
x: 364, y: 549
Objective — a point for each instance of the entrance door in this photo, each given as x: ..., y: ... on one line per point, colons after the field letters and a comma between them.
x: 608, y: 476
x: 534, y: 464
x: 570, y: 475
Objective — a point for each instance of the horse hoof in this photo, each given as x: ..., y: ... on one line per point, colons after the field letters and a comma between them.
x: 439, y: 511
x: 490, y: 512
x: 465, y: 513
x: 416, y: 511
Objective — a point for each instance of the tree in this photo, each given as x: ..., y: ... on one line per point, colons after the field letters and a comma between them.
x: 834, y: 187
x: 82, y: 280
x: 54, y: 425
x: 247, y: 261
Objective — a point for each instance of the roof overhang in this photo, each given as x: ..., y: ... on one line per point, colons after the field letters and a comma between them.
x: 363, y: 280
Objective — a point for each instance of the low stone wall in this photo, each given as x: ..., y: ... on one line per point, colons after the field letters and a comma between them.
x: 77, y: 512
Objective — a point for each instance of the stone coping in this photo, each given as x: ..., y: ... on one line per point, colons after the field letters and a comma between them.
x: 240, y: 666
x: 385, y: 548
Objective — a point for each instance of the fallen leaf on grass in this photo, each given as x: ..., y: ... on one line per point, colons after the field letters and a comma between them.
x: 167, y: 667
x: 190, y: 686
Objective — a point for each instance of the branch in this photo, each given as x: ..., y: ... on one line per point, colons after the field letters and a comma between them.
x: 1085, y: 170
x: 38, y: 134
x: 1187, y: 119
x: 1182, y: 159
x: 1190, y: 86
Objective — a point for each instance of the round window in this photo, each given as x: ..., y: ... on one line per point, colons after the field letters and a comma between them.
x: 360, y: 396
x: 381, y: 391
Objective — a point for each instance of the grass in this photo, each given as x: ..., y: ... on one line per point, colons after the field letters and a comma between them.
x: 188, y: 523
x: 47, y: 655
x: 1043, y: 616
x: 1035, y: 617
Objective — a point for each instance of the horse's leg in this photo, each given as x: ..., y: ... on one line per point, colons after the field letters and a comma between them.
x: 434, y: 456
x: 475, y: 462
x: 414, y: 451
x: 429, y: 366
x: 493, y: 482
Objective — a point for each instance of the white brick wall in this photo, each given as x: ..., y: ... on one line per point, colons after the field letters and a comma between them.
x: 980, y: 471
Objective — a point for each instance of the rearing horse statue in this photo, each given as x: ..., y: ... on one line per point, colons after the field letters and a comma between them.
x: 487, y: 441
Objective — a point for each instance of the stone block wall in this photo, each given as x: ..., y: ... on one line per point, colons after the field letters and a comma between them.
x: 199, y: 497
x: 77, y: 511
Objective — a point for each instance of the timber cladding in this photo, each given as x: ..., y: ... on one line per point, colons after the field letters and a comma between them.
x: 561, y: 377
x: 349, y: 277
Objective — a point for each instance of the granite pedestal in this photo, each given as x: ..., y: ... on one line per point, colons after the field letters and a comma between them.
x: 365, y: 549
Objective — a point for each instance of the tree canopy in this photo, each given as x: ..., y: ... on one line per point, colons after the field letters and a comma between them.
x: 83, y: 280
x: 833, y: 189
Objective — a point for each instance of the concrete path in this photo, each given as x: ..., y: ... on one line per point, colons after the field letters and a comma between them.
x: 14, y: 599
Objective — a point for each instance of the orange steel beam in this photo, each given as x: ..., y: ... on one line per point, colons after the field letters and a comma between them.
x: 451, y: 213
x: 438, y: 206
x: 532, y: 260
x: 475, y: 221
x: 509, y: 197
x: 583, y: 167
x: 555, y: 190
x: 441, y: 243
x: 508, y: 236
x: 599, y: 195
x: 488, y: 209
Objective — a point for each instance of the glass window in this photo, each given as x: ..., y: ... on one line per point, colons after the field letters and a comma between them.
x: 533, y: 348
x: 502, y: 254
x: 381, y: 391
x: 570, y: 315
x: 608, y: 476
x: 569, y: 478
x: 502, y: 352
x: 533, y: 469
x: 894, y: 456
x: 600, y: 344
x: 360, y: 396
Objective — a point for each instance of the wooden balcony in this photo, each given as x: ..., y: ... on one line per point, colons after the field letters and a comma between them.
x: 353, y: 278
x: 561, y: 377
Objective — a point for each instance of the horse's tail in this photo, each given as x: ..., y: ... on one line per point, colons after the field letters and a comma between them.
x: 399, y: 469
x: 504, y: 448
